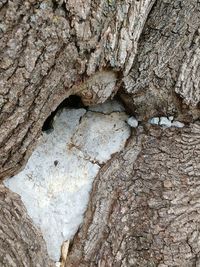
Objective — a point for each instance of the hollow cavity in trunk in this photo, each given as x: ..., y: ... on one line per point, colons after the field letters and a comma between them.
x: 57, y: 179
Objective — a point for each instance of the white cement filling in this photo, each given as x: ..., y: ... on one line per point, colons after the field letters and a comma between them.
x: 57, y: 179
x: 166, y: 122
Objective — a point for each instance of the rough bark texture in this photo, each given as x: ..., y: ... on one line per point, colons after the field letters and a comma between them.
x: 165, y: 75
x: 21, y: 244
x: 144, y: 207
x: 47, y: 49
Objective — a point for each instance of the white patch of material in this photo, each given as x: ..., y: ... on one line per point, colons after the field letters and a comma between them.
x: 154, y: 121
x: 57, y: 179
x: 178, y: 124
x: 99, y: 135
x: 132, y: 122
x: 166, y: 122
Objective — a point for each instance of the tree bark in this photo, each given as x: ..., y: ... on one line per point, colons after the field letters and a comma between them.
x: 143, y: 208
x: 164, y: 78
x: 49, y: 49
x: 21, y: 242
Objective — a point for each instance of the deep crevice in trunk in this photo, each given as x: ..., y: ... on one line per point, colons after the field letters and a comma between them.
x: 72, y: 101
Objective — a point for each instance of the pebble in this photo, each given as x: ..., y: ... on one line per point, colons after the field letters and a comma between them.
x: 154, y: 120
x: 164, y: 121
x: 167, y: 122
x: 178, y: 124
x: 132, y: 122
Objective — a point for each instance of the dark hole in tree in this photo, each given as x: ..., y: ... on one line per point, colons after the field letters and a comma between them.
x: 72, y: 101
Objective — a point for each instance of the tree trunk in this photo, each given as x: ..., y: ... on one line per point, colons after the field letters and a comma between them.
x: 48, y: 50
x: 144, y: 206
x: 21, y: 243
x: 143, y: 209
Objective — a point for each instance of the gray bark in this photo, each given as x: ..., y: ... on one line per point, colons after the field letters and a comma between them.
x: 21, y: 243
x: 165, y: 76
x: 143, y: 208
x: 48, y: 51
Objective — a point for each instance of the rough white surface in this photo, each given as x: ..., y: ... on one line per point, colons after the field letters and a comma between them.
x: 154, y: 120
x: 166, y: 122
x: 100, y: 135
x: 56, y: 181
x: 132, y: 122
x: 178, y: 124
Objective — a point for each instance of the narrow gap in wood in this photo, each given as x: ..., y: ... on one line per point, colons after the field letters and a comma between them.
x: 72, y: 101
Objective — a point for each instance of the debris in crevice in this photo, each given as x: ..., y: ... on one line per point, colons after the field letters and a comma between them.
x: 132, y: 121
x: 64, y: 252
x: 154, y: 120
x: 166, y: 122
x: 127, y: 101
x: 178, y: 124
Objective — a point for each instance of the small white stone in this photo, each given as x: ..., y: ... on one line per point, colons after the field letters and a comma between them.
x: 178, y: 124
x: 132, y: 122
x: 171, y: 118
x: 164, y: 121
x: 154, y: 120
x: 58, y: 264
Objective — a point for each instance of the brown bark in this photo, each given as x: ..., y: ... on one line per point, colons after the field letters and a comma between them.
x: 21, y: 244
x: 144, y: 206
x: 165, y: 76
